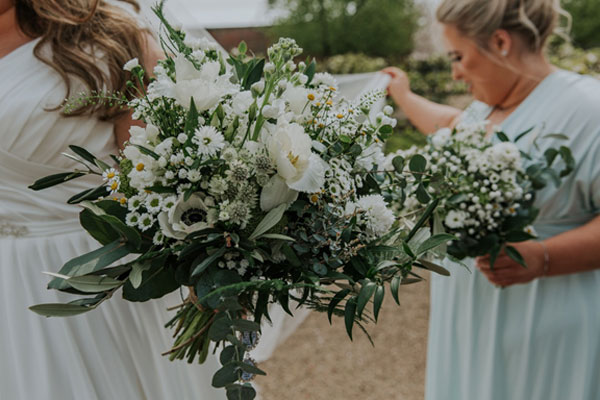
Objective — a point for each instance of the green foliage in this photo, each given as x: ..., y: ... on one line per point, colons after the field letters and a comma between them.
x: 327, y: 27
x: 586, y: 24
x: 352, y: 63
x: 575, y: 59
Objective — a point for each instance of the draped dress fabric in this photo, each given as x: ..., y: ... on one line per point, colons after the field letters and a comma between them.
x: 539, y: 341
x: 109, y: 353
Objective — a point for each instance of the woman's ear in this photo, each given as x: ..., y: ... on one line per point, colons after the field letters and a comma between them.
x: 501, y: 43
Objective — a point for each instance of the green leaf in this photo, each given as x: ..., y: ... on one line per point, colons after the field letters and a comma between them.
x: 83, y: 153
x: 386, y: 129
x: 59, y: 309
x: 250, y: 368
x: 132, y: 236
x: 102, y: 165
x: 147, y: 151
x: 277, y: 236
x: 518, y: 236
x: 558, y: 136
x: 428, y: 211
x: 422, y: 195
x: 254, y: 74
x: 242, y: 47
x: 90, y: 262
x: 227, y: 355
x: 398, y: 163
x: 349, y: 313
x: 394, y: 286
x: 434, y: 267
x: 207, y: 262
x: 339, y: 296
x: 137, y: 268
x: 310, y: 71
x: 366, y: 292
x: 56, y: 179
x: 433, y: 242
x: 522, y: 134
x: 219, y: 329
x: 93, y: 283
x: 502, y: 136
x: 417, y: 163
x: 156, y: 283
x: 550, y: 155
x: 228, y: 374
x: 515, y: 255
x: 269, y: 221
x: 89, y: 194
x: 290, y: 255
x: 244, y: 325
x: 378, y: 301
x: 240, y: 392
x: 567, y: 157
x: 385, y: 264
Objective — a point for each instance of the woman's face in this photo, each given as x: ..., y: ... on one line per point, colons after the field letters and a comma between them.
x: 6, y: 5
x: 487, y: 80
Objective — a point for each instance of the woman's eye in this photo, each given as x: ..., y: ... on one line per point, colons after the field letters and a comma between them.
x: 455, y: 58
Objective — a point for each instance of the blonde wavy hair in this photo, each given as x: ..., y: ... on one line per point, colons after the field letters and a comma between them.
x: 533, y: 20
x: 78, y: 32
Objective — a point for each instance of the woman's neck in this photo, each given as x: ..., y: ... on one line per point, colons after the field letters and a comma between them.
x: 11, y: 37
x: 529, y: 72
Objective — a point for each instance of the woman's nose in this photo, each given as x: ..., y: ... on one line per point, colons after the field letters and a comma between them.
x: 456, y: 72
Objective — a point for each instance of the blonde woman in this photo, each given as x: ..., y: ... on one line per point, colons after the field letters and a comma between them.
x: 48, y: 50
x: 536, y: 339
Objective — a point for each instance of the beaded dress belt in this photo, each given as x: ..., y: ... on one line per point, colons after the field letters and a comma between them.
x: 38, y: 229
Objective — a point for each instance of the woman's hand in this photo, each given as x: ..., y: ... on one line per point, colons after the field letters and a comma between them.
x: 508, y: 272
x: 399, y: 85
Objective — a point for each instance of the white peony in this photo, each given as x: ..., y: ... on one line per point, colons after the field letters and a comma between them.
x: 205, y: 86
x: 298, y: 168
x: 184, y: 217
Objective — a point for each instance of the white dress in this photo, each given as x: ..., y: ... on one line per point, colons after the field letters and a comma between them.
x: 111, y: 353
x: 541, y: 340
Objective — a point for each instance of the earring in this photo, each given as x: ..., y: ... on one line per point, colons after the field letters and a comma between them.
x: 504, y: 53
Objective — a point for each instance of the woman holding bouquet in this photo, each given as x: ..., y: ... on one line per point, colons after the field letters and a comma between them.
x: 537, y: 338
x: 50, y: 49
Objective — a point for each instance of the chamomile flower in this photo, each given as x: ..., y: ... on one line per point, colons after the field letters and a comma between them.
x: 208, y: 140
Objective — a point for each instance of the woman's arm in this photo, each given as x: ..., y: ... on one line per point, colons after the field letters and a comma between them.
x: 426, y: 115
x: 577, y: 250
x: 152, y: 53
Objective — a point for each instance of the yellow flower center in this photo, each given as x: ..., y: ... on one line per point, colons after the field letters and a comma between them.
x: 110, y: 175
x: 314, y: 198
x: 311, y: 96
x: 123, y: 200
x: 293, y: 159
x: 114, y: 186
x: 329, y: 102
x: 340, y: 116
x: 140, y: 167
x: 332, y: 88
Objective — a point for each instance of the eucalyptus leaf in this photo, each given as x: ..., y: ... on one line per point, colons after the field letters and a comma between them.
x: 59, y: 310
x: 269, y: 221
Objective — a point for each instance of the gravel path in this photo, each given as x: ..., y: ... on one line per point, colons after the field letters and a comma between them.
x: 319, y: 362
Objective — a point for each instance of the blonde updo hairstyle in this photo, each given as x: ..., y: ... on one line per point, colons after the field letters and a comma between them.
x: 533, y: 20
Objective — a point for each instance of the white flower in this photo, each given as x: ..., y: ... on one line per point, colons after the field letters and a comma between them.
x: 241, y: 102
x: 323, y: 78
x: 131, y: 64
x: 206, y: 86
x: 209, y: 141
x: 298, y: 168
x: 258, y: 87
x: 297, y: 99
x: 154, y: 203
x: 132, y: 219
x: 184, y: 217
x: 441, y: 137
x: 143, y: 136
x: 135, y: 202
x: 505, y: 154
x: 146, y: 221
x: 455, y: 219
x: 378, y: 217
x: 158, y: 239
x: 388, y: 110
x: 194, y: 175
x: 275, y: 110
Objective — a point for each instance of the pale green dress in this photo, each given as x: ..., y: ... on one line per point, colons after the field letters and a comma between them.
x: 539, y: 341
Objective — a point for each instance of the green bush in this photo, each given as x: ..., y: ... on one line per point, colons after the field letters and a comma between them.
x: 586, y: 22
x: 585, y: 62
x: 328, y: 27
x: 351, y: 63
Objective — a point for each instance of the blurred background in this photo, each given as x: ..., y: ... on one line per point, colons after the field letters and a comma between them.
x: 319, y: 362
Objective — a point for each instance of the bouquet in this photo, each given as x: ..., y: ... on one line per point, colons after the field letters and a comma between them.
x: 253, y: 182
x: 486, y: 191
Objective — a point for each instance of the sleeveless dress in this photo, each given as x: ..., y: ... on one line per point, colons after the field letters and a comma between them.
x: 538, y: 341
x: 111, y: 353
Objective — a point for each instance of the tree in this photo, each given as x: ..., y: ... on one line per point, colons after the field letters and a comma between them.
x: 327, y: 27
x: 586, y: 22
